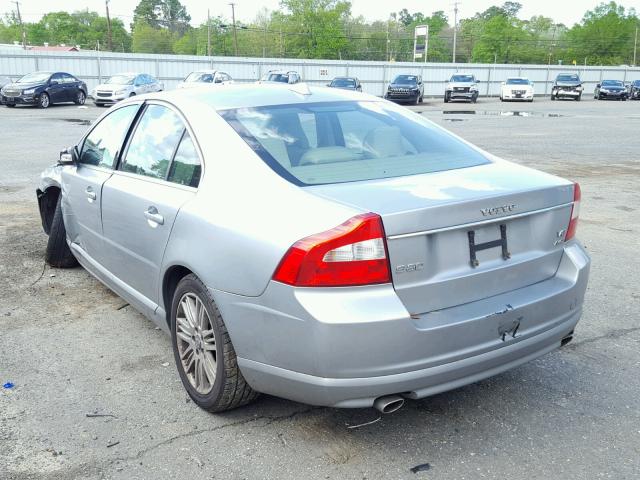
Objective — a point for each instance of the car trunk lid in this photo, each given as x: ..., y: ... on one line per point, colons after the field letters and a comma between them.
x: 517, y: 217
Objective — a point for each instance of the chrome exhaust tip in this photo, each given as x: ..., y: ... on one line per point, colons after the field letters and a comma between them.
x: 388, y: 404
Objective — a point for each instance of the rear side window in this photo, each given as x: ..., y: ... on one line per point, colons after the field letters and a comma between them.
x: 336, y: 142
x: 185, y: 168
x: 101, y: 146
x: 154, y: 142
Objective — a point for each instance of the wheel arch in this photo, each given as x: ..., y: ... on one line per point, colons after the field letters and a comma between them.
x: 170, y: 280
x: 47, y: 201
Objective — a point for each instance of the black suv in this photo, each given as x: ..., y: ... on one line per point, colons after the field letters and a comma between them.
x: 44, y: 89
x: 567, y: 85
x: 406, y: 89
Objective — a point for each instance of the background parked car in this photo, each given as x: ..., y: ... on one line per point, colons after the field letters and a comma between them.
x: 406, y: 89
x: 610, y: 89
x: 4, y: 81
x: 44, y: 89
x: 634, y: 90
x: 462, y: 87
x: 124, y: 85
x: 346, y: 83
x: 567, y: 85
x: 204, y: 77
x: 517, y: 88
x: 281, y: 76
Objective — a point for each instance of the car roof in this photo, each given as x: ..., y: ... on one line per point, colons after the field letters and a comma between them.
x: 517, y: 78
x: 207, y: 70
x: 250, y: 95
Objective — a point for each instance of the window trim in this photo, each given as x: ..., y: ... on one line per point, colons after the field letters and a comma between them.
x: 187, y: 127
x: 116, y: 159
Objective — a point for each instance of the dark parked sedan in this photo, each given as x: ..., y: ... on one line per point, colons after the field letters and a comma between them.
x: 614, y: 89
x: 406, y: 89
x: 634, y: 90
x: 44, y: 89
x: 346, y: 83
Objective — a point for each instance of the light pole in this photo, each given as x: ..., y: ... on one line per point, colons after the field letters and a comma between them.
x: 235, y: 32
x: 455, y: 29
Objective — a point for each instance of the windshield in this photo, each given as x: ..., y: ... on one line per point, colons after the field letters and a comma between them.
x: 278, y: 77
x: 568, y: 78
x: 335, y: 142
x: 612, y: 83
x: 343, y: 82
x: 36, y: 77
x: 462, y: 78
x: 199, y: 77
x: 518, y: 81
x: 121, y: 79
x: 636, y: 83
x: 406, y: 80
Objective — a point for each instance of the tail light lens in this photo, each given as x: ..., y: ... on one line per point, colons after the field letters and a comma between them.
x: 575, y: 212
x: 354, y: 253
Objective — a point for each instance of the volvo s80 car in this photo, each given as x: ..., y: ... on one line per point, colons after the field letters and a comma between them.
x: 44, y: 89
x: 317, y: 244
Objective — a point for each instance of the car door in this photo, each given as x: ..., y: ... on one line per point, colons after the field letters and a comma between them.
x: 142, y: 198
x: 82, y: 183
x: 70, y: 87
x: 56, y: 90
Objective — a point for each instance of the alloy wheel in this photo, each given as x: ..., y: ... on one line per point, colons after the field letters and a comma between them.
x: 44, y: 100
x: 81, y: 98
x: 196, y: 343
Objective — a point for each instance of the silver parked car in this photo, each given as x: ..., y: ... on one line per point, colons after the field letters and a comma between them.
x: 125, y: 85
x: 205, y: 77
x: 317, y: 244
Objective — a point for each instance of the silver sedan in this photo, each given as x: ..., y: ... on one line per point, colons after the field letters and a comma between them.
x: 317, y: 244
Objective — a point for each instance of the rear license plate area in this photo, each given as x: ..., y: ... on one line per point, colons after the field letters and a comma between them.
x: 477, y: 245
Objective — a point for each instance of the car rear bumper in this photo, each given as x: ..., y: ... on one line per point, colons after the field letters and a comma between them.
x: 347, y: 348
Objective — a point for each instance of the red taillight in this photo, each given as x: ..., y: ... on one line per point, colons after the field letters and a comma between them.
x: 354, y: 253
x: 575, y: 213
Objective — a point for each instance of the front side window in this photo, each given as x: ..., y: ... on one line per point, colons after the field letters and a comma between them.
x: 153, y: 142
x: 335, y: 142
x: 101, y: 146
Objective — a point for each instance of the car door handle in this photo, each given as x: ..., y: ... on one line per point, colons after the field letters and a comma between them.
x: 153, y: 216
x: 91, y: 195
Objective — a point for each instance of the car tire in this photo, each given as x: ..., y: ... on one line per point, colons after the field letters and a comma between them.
x: 553, y: 97
x: 11, y: 105
x: 58, y: 253
x: 421, y: 99
x: 44, y: 101
x: 132, y: 94
x: 229, y: 389
x: 447, y: 98
x: 474, y: 99
x: 81, y: 97
x: 578, y: 98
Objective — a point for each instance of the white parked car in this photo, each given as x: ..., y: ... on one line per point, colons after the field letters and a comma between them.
x: 124, y: 85
x: 205, y: 77
x: 517, y: 88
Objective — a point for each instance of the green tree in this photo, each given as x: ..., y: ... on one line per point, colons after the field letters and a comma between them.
x: 146, y: 39
x: 168, y: 14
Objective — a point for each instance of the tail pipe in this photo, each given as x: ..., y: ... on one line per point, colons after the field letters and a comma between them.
x: 567, y: 339
x: 388, y: 404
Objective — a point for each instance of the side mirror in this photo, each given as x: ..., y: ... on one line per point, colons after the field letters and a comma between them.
x: 478, y: 81
x: 217, y: 80
x: 68, y: 156
x: 598, y: 85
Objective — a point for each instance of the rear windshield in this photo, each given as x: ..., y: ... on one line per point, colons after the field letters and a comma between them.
x: 335, y: 142
x: 517, y: 81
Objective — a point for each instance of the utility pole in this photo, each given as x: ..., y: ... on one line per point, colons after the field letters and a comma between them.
x: 208, y: 34
x: 109, y: 39
x: 387, y: 55
x: 24, y: 33
x: 235, y: 30
x: 635, y: 47
x: 455, y: 29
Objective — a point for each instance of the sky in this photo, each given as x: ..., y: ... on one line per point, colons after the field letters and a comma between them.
x: 567, y: 12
